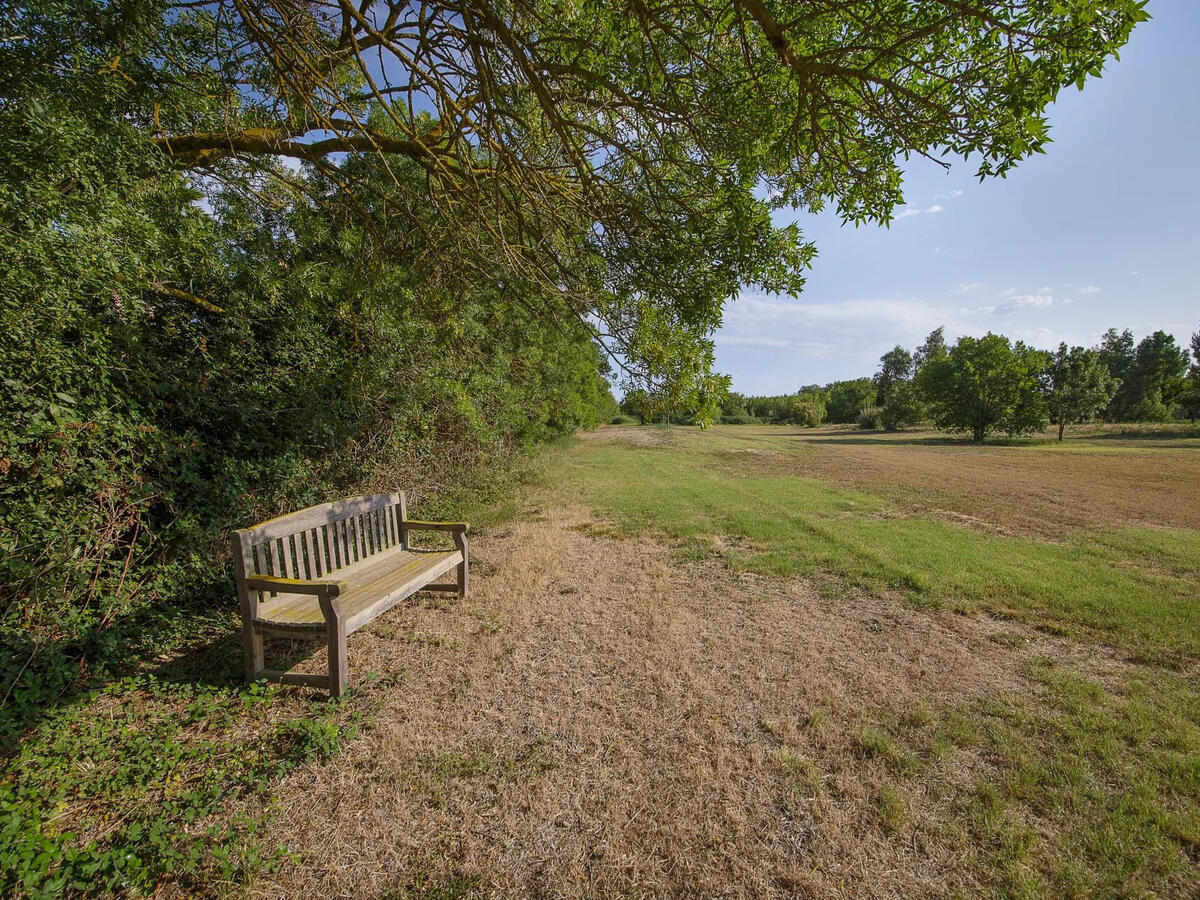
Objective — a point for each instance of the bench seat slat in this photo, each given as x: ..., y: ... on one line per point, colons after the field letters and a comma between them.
x: 372, y: 587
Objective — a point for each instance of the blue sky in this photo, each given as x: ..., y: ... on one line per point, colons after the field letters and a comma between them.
x: 1101, y: 231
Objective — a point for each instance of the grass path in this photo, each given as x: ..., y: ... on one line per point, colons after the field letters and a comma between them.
x: 600, y: 722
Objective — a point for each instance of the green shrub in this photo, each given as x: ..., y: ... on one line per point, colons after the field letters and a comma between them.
x: 809, y: 413
x: 870, y: 418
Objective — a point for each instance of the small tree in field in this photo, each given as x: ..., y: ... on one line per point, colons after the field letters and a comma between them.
x: 1079, y: 386
x: 895, y: 366
x: 1189, y: 397
x: 904, y: 408
x: 986, y: 384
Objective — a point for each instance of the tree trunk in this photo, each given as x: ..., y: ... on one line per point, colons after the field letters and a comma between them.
x: 1062, y: 424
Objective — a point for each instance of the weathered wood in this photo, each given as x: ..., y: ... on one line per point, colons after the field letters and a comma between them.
x: 322, y: 534
x: 277, y: 585
x: 326, y: 571
x: 381, y: 528
x: 335, y: 637
x: 402, y: 516
x: 310, y: 566
x: 369, y: 589
x: 289, y: 557
x: 460, y: 541
x: 393, y: 524
x: 313, y: 516
x: 252, y: 646
x: 338, y: 535
x: 416, y: 525
x: 360, y: 537
x: 317, y: 681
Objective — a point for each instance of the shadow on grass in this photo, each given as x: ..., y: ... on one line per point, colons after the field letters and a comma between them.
x: 198, y: 646
x: 1185, y: 435
x: 120, y: 761
x: 898, y: 438
x: 39, y: 678
x: 1135, y: 433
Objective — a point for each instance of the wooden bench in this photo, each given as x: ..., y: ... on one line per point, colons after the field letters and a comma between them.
x: 326, y: 571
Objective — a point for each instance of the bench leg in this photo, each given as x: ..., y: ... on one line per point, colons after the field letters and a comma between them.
x: 339, y: 677
x: 460, y: 541
x: 252, y: 652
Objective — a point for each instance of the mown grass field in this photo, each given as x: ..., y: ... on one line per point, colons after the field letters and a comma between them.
x: 740, y: 662
x: 1003, y: 529
x: 1096, y: 541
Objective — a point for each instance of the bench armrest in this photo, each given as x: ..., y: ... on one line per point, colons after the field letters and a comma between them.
x: 459, y: 527
x: 277, y: 585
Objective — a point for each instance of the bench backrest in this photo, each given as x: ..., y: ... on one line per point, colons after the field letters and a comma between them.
x: 315, y: 542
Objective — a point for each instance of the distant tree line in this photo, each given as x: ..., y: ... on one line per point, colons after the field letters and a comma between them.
x: 987, y: 385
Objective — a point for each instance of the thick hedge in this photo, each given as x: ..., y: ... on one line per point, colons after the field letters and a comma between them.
x: 177, y: 363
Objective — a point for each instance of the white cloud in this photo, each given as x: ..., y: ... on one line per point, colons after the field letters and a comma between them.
x: 917, y: 211
x: 1038, y: 299
x: 732, y: 340
x: 1026, y: 301
x: 934, y: 208
x: 967, y: 287
x: 781, y: 344
x: 754, y: 319
x: 1090, y: 289
x: 1012, y: 303
x: 1038, y: 337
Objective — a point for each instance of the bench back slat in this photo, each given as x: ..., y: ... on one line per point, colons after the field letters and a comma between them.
x: 318, y: 541
x: 339, y: 543
x: 290, y: 568
x: 320, y: 534
x: 321, y: 514
x: 358, y: 547
x: 310, y: 551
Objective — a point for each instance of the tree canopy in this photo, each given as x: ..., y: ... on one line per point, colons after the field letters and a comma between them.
x: 1078, y: 386
x: 986, y: 384
x: 613, y: 164
x: 1150, y: 375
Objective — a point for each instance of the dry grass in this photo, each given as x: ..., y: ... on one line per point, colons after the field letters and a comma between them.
x: 1042, y: 489
x: 592, y: 722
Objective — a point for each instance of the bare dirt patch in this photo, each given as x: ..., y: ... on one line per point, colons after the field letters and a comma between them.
x: 1017, y: 490
x: 592, y: 722
x: 645, y: 436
